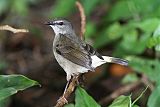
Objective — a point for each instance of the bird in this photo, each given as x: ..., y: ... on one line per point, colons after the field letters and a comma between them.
x: 73, y: 54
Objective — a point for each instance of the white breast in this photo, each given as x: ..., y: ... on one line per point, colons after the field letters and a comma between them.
x: 69, y: 67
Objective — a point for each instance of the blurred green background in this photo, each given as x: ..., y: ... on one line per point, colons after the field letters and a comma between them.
x: 128, y: 29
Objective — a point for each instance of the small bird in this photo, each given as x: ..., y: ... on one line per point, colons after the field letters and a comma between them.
x: 73, y: 54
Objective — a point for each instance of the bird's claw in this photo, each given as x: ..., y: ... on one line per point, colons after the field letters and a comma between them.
x: 63, y: 99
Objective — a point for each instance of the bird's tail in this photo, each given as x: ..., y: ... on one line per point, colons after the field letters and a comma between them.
x: 97, y: 61
x: 115, y: 60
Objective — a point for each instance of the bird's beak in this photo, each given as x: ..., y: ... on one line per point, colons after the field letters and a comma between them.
x: 49, y: 23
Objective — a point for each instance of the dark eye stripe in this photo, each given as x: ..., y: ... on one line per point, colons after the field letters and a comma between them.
x: 59, y: 23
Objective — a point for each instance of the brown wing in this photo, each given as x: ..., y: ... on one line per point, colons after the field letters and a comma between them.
x: 73, y: 52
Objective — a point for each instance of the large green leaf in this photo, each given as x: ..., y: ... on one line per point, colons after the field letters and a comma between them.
x: 11, y: 84
x: 154, y: 98
x: 121, y: 101
x: 83, y: 99
x: 5, y: 102
x: 69, y: 105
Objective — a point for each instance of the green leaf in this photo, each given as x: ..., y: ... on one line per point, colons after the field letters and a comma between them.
x: 5, y: 102
x: 135, y: 106
x: 62, y: 8
x: 153, y: 100
x: 69, y: 105
x: 11, y: 84
x: 121, y: 101
x: 83, y: 99
x: 6, y: 92
x: 130, y: 78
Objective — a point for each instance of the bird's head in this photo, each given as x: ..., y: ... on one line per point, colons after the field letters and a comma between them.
x: 60, y: 26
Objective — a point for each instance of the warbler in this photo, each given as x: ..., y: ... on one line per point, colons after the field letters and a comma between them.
x: 74, y: 55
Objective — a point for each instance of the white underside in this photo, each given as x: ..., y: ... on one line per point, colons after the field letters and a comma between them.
x: 73, y: 69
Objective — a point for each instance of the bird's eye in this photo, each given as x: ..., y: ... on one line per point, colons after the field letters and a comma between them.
x: 60, y: 23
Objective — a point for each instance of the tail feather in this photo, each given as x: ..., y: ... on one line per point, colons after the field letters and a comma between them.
x: 97, y: 61
x: 115, y: 60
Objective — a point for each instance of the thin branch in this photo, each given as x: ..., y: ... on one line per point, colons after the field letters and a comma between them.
x: 14, y: 30
x: 144, y: 80
x: 83, y: 18
x: 63, y: 100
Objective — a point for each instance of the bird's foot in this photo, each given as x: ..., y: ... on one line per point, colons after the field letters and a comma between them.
x: 62, y: 100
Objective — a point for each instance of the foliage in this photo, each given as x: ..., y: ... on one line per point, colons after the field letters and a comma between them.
x: 82, y: 99
x: 154, y: 98
x: 85, y: 100
x: 11, y: 84
x: 121, y: 101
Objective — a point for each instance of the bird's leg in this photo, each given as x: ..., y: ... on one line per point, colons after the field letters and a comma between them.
x: 63, y: 98
x: 76, y: 77
x: 68, y: 82
x: 81, y: 80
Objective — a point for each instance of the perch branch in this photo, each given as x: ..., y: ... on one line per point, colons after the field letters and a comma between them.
x: 62, y: 100
x: 83, y: 18
x: 14, y: 30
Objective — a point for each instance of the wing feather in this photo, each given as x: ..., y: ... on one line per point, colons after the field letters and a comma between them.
x: 74, y: 52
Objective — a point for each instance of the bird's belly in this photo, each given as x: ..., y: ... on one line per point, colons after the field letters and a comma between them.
x: 68, y: 66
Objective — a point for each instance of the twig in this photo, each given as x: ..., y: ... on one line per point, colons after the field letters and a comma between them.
x: 144, y: 80
x: 14, y: 30
x: 83, y: 18
x: 119, y: 91
x: 62, y: 101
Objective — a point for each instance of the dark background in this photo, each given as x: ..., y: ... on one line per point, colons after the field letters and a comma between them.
x: 120, y: 28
